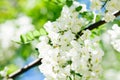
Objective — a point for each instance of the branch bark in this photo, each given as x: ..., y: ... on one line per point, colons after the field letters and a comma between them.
x: 26, y: 68
x: 101, y: 22
x: 38, y: 61
x: 97, y: 24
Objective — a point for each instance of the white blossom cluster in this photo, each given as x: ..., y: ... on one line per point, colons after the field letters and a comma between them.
x: 115, y: 37
x: 111, y: 7
x: 65, y: 56
x: 9, y: 31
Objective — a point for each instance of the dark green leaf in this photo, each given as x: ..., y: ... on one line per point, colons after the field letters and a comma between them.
x: 72, y: 72
x: 78, y: 8
x: 78, y: 74
x: 69, y: 3
x: 69, y: 62
x: 69, y: 78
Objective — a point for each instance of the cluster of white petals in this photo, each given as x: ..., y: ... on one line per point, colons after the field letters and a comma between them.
x: 115, y: 37
x: 65, y: 56
x: 96, y: 4
x: 111, y: 7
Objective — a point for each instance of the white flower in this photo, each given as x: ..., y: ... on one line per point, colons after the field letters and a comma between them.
x: 43, y: 48
x: 49, y: 26
x: 113, y: 6
x: 75, y: 45
x: 96, y: 4
x: 116, y: 44
x: 115, y: 37
x: 115, y: 32
x: 67, y: 36
x: 65, y: 55
x: 76, y: 4
x: 109, y: 17
x: 86, y: 35
x: 44, y: 38
x: 54, y: 37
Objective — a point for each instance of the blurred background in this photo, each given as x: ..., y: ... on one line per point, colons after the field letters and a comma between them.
x: 21, y: 16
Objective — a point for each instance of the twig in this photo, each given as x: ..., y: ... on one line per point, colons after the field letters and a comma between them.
x: 38, y: 61
x: 104, y: 4
x: 26, y: 68
x: 96, y: 24
x: 101, y: 22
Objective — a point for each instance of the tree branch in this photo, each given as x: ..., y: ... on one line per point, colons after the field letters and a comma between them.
x: 26, y: 68
x: 97, y: 24
x: 38, y: 61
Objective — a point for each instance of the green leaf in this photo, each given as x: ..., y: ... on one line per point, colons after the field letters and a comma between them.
x: 42, y: 31
x: 69, y: 78
x: 36, y: 33
x: 88, y: 15
x: 98, y: 17
x: 32, y: 35
x: 78, y: 74
x: 78, y: 8
x: 69, y: 62
x: 11, y: 68
x: 69, y: 2
x: 23, y: 38
x: 72, y: 72
x: 24, y: 51
x: 83, y: 13
x: 29, y: 36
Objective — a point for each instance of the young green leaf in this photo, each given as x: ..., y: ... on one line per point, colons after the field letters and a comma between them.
x: 36, y: 33
x: 29, y: 36
x: 42, y: 31
x: 23, y: 38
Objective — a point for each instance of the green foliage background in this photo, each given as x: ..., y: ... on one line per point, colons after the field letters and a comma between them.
x: 40, y: 11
